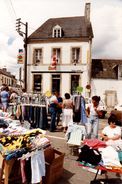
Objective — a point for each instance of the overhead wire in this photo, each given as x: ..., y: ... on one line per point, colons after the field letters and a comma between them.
x: 13, y: 8
x: 14, y: 17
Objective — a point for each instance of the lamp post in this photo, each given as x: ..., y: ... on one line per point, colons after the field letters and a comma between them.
x: 24, y: 34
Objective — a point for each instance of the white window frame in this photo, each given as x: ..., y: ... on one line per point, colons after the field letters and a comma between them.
x: 37, y: 56
x: 57, y: 32
x: 57, y: 53
x: 75, y: 55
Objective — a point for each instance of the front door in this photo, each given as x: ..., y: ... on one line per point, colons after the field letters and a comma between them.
x: 74, y: 83
x: 56, y: 83
x: 37, y: 81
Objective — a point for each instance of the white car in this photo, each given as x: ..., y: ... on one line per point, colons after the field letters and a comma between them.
x: 118, y: 107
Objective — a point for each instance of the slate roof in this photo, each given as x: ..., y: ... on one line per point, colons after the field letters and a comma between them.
x: 105, y: 68
x: 73, y: 27
x: 6, y: 73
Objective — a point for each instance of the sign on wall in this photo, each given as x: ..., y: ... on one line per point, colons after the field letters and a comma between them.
x: 20, y: 56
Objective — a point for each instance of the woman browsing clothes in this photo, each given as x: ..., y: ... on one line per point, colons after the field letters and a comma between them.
x: 93, y: 111
x: 67, y: 107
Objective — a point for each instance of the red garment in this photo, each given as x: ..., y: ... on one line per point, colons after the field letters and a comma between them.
x: 94, y: 143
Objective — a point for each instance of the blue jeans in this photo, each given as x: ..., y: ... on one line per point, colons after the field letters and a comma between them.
x: 92, y: 127
x: 53, y: 113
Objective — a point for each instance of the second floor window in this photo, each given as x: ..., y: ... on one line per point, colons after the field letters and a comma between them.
x: 37, y: 56
x: 56, y: 55
x: 75, y: 55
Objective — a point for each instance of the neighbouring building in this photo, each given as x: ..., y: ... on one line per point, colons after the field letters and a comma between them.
x: 7, y: 78
x: 107, y: 80
x: 59, y: 55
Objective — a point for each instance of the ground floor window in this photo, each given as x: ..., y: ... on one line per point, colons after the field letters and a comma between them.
x: 56, y: 83
x: 37, y: 82
x: 74, y: 83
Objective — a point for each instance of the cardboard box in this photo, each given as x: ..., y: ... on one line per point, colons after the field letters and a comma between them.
x: 54, y: 165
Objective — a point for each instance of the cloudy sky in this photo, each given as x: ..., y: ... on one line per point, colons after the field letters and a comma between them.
x: 106, y: 18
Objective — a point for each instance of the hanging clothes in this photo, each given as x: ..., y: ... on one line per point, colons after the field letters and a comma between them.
x: 35, y: 115
x: 79, y: 109
x: 37, y: 166
x: 76, y: 108
x: 83, y: 111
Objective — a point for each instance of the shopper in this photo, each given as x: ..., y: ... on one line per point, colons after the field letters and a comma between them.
x: 53, y: 102
x: 67, y: 111
x: 59, y: 107
x: 13, y: 96
x: 93, y: 111
x: 4, y: 96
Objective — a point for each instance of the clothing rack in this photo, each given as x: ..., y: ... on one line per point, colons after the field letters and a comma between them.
x: 28, y: 111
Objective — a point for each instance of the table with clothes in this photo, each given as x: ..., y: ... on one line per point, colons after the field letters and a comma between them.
x: 99, y: 155
x: 17, y: 142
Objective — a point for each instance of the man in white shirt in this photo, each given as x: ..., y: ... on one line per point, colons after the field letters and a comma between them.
x: 53, y: 102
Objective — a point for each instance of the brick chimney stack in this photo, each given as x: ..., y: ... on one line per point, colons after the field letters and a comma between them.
x: 87, y: 10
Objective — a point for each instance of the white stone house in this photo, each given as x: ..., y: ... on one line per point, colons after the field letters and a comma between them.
x: 106, y: 80
x: 59, y: 55
x: 7, y: 78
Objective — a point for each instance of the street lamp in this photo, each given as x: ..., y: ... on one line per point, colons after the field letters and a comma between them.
x: 24, y: 34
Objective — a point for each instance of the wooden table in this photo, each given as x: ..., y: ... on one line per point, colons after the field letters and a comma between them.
x: 5, y: 169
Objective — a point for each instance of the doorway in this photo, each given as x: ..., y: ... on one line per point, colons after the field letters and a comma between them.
x: 74, y: 83
x: 37, y: 82
x: 56, y: 83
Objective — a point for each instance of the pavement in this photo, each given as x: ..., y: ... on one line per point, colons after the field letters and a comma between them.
x: 74, y: 174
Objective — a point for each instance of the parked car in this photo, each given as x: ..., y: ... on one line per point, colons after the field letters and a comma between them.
x: 118, y: 107
x: 118, y: 114
x: 102, y: 107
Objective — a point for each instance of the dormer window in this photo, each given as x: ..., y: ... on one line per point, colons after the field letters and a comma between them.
x: 57, y: 32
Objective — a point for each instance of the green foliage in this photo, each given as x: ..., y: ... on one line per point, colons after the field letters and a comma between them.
x: 79, y: 89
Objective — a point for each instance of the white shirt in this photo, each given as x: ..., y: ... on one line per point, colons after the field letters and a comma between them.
x: 92, y: 110
x: 112, y: 132
x: 53, y: 99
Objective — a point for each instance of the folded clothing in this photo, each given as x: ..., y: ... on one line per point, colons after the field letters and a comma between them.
x: 3, y: 123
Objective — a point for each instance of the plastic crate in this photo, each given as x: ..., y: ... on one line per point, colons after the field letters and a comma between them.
x: 54, y: 165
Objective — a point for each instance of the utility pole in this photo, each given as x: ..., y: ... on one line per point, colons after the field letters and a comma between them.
x: 24, y: 34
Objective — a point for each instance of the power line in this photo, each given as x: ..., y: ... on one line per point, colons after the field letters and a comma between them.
x: 13, y: 8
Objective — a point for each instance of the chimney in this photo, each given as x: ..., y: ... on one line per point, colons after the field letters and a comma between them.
x: 87, y: 10
x: 4, y: 69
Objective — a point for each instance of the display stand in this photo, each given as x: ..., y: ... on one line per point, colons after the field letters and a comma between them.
x: 76, y: 134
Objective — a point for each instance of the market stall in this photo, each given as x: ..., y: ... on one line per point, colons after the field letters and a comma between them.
x: 96, y: 156
x: 17, y: 142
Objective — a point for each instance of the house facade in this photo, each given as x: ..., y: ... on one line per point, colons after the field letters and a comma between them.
x: 106, y: 80
x: 59, y: 55
x: 7, y: 78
